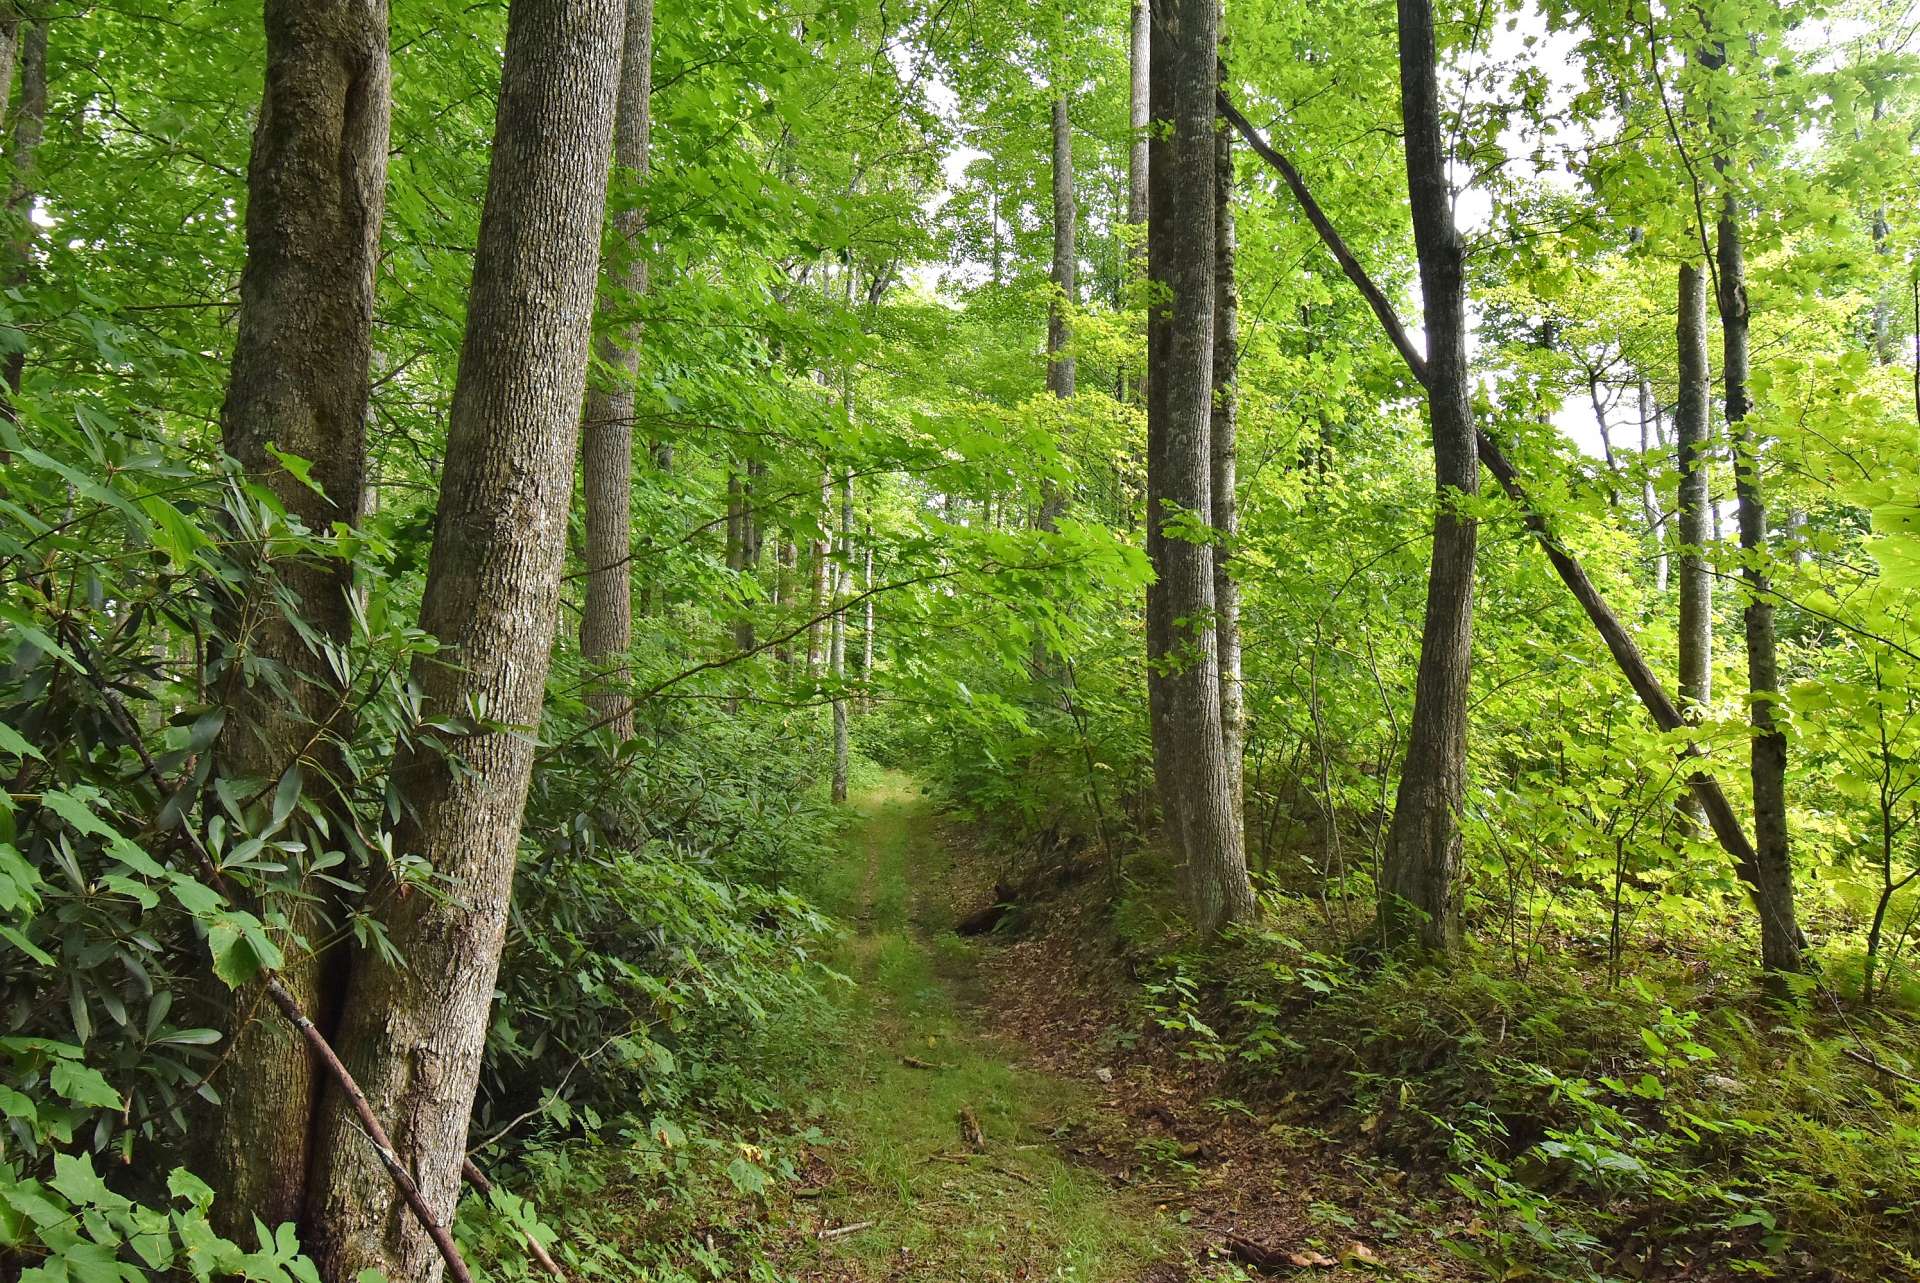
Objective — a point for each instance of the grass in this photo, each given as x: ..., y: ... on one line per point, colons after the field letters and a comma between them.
x: 933, y: 1206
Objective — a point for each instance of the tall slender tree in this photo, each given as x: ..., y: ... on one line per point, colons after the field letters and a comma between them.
x: 1223, y: 448
x: 413, y: 1030
x: 316, y: 187
x: 1420, y: 890
x: 1773, y: 892
x: 1190, y: 761
x: 606, y: 428
x: 1691, y: 450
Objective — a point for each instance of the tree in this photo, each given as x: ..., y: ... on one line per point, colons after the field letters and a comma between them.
x: 1223, y: 461
x: 1183, y: 683
x: 1690, y: 434
x: 1420, y: 891
x: 606, y: 429
x: 303, y: 341
x: 1773, y: 891
x: 413, y: 1029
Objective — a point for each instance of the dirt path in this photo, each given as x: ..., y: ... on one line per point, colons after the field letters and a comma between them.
x: 913, y: 1190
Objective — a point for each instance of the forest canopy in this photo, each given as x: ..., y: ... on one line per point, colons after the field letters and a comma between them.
x: 618, y: 612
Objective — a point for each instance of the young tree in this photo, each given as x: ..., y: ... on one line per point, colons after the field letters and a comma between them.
x: 1690, y: 433
x: 1183, y: 683
x: 316, y: 187
x: 1773, y: 891
x: 1060, y: 369
x: 1420, y: 890
x: 606, y: 428
x: 413, y: 1030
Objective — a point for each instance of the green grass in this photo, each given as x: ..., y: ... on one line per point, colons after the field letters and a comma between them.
x: 938, y: 1209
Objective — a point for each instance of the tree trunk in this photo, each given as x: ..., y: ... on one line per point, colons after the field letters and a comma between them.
x: 1420, y: 891
x: 23, y: 153
x: 843, y: 582
x: 1190, y: 765
x: 1779, y: 929
x: 1695, y: 519
x: 9, y: 54
x: 413, y: 1032
x: 1650, y: 491
x: 1223, y: 449
x: 866, y: 633
x: 820, y: 549
x: 316, y: 186
x: 1138, y: 115
x: 1060, y: 371
x: 606, y: 430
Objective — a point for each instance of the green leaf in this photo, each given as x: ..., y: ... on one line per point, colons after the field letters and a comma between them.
x: 83, y: 1085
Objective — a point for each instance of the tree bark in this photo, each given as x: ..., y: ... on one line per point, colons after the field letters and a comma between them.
x: 1691, y: 447
x: 1223, y: 447
x: 23, y: 154
x: 1139, y: 114
x: 820, y: 549
x: 1190, y: 766
x: 413, y: 1033
x: 843, y: 583
x: 606, y: 429
x: 9, y: 54
x: 1779, y: 928
x: 1649, y: 489
x: 316, y: 187
x: 866, y: 633
x: 1060, y: 369
x: 1420, y: 886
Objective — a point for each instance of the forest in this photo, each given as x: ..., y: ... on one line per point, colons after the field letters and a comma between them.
x: 955, y: 640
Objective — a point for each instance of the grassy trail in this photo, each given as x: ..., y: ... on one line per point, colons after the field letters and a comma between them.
x: 931, y: 1205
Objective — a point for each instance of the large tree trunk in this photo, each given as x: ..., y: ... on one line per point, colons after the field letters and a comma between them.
x: 1183, y: 678
x: 316, y: 185
x: 606, y: 429
x: 413, y: 1032
x: 1690, y: 445
x: 1420, y: 891
x: 1779, y: 929
x: 1223, y: 447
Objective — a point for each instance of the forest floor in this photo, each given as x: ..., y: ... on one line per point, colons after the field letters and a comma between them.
x: 989, y: 1121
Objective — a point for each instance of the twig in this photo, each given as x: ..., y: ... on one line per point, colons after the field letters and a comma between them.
x: 289, y: 1005
x: 478, y: 1179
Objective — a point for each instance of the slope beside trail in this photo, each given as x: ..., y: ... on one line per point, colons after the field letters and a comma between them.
x: 949, y: 1159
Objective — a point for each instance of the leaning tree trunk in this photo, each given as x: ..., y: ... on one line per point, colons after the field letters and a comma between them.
x: 413, y: 1032
x: 1779, y: 928
x: 316, y: 185
x: 1183, y: 668
x: 1690, y: 433
x: 1223, y: 450
x: 1420, y: 891
x: 606, y: 428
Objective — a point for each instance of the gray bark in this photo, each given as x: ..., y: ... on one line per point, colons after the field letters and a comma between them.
x: 1060, y: 371
x: 1139, y: 64
x: 413, y: 1034
x: 1223, y: 449
x: 606, y: 429
x: 1695, y: 519
x: 843, y: 583
x: 1190, y: 766
x: 23, y: 154
x: 1779, y: 928
x: 316, y: 187
x: 1649, y: 490
x: 1420, y: 890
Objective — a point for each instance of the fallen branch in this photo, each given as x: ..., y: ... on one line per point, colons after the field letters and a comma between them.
x: 827, y: 1236
x: 323, y: 1052
x: 478, y: 1179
